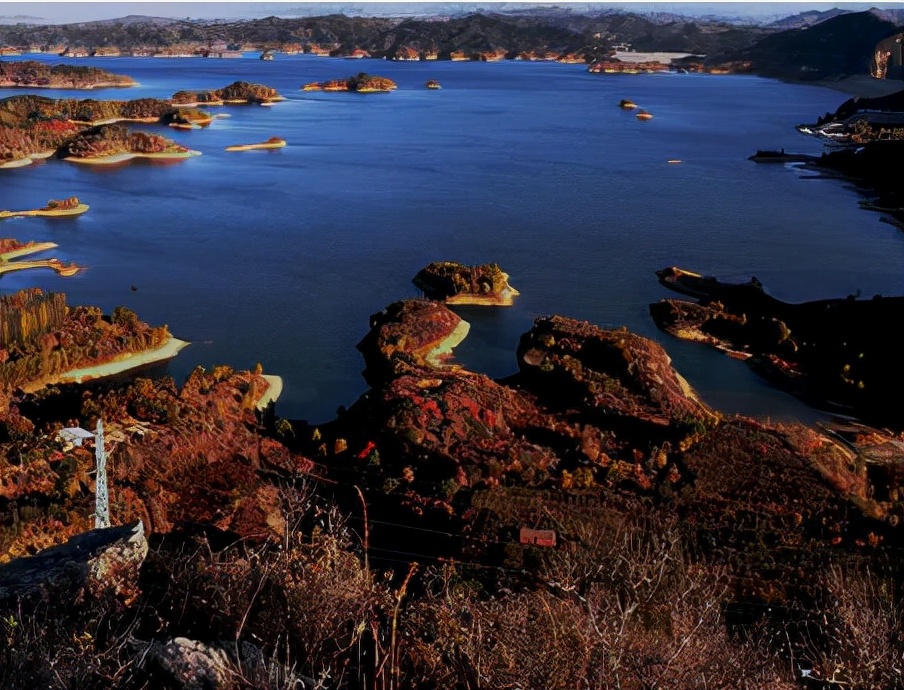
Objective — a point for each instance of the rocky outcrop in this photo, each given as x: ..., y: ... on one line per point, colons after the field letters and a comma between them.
x: 586, y: 397
x: 185, y: 664
x: 612, y: 374
x: 454, y: 283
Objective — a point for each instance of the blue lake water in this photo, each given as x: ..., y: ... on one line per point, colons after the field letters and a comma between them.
x: 280, y: 257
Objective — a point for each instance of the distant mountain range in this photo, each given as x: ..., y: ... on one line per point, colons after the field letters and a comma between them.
x: 808, y: 45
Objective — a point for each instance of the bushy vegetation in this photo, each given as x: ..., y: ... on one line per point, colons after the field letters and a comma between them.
x: 630, y: 609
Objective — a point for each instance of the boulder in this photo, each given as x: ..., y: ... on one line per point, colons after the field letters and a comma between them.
x: 88, y: 566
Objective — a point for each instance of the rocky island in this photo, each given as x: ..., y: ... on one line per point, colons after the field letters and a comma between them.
x: 32, y: 74
x: 112, y: 144
x: 359, y: 83
x: 455, y: 283
x: 237, y: 93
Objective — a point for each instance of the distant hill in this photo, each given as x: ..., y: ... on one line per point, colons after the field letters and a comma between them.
x: 805, y: 19
x: 837, y: 47
x: 820, y: 45
x: 510, y: 33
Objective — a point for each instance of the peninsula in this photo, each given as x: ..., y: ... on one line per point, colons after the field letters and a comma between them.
x: 44, y: 342
x: 831, y: 352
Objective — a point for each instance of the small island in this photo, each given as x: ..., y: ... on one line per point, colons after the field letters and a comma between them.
x: 454, y: 283
x: 187, y: 118
x: 271, y: 143
x: 31, y: 74
x: 359, y: 83
x: 54, y: 209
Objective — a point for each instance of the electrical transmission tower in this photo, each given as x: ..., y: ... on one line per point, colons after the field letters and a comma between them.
x: 101, y: 500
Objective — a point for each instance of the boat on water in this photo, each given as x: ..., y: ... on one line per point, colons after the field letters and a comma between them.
x: 627, y: 104
x: 433, y: 84
x: 643, y: 115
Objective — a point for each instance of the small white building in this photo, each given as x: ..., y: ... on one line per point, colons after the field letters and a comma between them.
x: 74, y: 435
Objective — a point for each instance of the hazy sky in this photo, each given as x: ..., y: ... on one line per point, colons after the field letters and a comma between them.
x: 64, y: 12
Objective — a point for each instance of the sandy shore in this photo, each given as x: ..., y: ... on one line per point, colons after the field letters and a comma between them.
x: 18, y: 163
x: 105, y: 160
x: 122, y: 157
x: 272, y: 393
x: 114, y: 120
x: 117, y: 366
x: 436, y: 356
x: 27, y: 249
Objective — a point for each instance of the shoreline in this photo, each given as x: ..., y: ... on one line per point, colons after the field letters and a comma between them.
x: 855, y: 85
x: 102, y: 85
x: 440, y: 351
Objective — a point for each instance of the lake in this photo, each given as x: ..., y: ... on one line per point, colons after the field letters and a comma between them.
x: 280, y: 257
